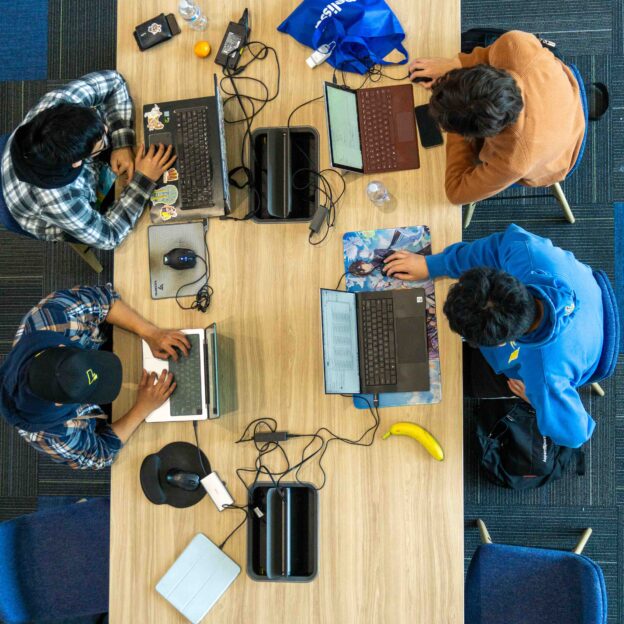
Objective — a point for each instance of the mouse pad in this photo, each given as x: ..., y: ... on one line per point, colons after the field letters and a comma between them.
x: 365, y: 250
x: 165, y: 281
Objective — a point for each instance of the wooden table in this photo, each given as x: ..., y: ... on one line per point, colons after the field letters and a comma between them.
x: 391, y: 518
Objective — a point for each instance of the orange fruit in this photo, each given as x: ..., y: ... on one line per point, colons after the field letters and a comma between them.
x: 202, y: 49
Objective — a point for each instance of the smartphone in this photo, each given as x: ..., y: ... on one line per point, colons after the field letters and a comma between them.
x: 428, y: 129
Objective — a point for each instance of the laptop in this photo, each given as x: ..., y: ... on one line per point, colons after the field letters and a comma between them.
x: 198, y: 578
x: 374, y: 342
x: 196, y: 396
x: 197, y: 186
x: 372, y: 130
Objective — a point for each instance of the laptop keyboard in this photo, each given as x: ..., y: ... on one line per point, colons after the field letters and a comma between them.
x: 186, y: 399
x: 377, y: 316
x: 194, y: 162
x: 376, y: 116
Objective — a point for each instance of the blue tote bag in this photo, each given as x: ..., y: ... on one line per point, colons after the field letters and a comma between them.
x: 360, y: 32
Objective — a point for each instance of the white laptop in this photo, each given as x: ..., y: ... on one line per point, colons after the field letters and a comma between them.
x: 196, y: 396
x: 198, y: 578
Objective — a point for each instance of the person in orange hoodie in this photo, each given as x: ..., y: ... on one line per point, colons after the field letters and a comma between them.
x: 513, y: 114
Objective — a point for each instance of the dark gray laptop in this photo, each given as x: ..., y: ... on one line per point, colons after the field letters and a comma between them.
x: 375, y: 342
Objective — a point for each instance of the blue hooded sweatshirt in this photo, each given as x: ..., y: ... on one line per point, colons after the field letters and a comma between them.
x: 562, y: 353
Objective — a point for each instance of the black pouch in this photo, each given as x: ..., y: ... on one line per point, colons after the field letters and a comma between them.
x: 517, y: 456
x: 156, y: 30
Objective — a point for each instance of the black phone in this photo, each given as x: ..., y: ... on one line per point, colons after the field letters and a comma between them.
x: 428, y: 129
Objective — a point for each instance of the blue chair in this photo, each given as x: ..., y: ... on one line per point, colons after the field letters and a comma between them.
x: 10, y: 224
x: 555, y: 189
x: 517, y: 585
x: 611, y: 345
x: 54, y: 563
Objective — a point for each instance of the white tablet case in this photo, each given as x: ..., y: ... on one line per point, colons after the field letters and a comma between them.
x: 198, y: 578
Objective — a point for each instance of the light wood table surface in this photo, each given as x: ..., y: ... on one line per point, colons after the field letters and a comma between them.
x: 391, y: 518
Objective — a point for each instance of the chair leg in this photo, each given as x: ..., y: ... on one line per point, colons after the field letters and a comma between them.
x: 469, y: 213
x: 557, y: 191
x: 84, y: 251
x: 578, y: 549
x: 597, y: 388
x: 485, y: 535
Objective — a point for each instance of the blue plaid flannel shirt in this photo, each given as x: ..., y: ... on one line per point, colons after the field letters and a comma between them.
x: 55, y: 214
x: 78, y: 313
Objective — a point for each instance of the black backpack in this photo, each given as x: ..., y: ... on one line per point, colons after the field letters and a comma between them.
x: 517, y: 456
x: 484, y: 37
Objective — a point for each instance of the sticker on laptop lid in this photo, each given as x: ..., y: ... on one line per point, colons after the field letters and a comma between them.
x: 165, y: 195
x: 154, y: 28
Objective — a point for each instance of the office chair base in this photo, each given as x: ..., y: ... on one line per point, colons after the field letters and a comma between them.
x: 85, y: 252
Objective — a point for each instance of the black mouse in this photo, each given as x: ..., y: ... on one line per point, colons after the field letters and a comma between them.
x: 180, y: 259
x: 188, y: 481
x: 420, y: 78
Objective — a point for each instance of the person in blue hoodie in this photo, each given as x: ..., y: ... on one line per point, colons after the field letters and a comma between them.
x: 534, y: 311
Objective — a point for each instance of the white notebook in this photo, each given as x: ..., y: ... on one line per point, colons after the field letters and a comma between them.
x: 198, y: 578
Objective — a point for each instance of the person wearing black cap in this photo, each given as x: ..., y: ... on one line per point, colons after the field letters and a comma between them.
x: 55, y: 379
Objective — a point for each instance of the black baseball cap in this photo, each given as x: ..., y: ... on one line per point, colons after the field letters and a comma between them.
x: 73, y: 375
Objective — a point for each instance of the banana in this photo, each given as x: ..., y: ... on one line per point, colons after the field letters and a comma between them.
x: 432, y: 446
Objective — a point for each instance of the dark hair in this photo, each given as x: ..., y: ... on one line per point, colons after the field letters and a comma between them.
x: 489, y: 307
x: 476, y: 102
x: 62, y: 134
x: 357, y: 267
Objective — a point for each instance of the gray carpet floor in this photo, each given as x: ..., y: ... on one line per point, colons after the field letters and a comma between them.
x: 589, y: 33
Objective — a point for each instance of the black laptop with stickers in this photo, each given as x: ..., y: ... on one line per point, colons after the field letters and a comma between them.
x: 197, y: 186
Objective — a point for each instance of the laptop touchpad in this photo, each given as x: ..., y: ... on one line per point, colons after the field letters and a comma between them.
x: 405, y: 126
x: 411, y: 345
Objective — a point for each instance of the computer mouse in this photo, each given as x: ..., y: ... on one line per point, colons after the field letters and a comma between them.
x: 188, y: 481
x: 420, y: 78
x: 180, y: 259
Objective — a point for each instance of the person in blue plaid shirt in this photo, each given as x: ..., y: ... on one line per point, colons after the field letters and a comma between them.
x: 55, y: 378
x: 57, y: 159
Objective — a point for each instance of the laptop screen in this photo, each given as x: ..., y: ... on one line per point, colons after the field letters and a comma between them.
x: 222, y: 145
x: 344, y: 130
x: 340, y: 342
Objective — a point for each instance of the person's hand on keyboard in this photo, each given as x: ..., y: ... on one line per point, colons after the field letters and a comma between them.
x: 153, y: 391
x: 433, y: 68
x: 153, y: 163
x: 406, y: 266
x: 166, y: 343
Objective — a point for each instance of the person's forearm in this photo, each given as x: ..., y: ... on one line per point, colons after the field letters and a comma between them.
x: 127, y: 424
x: 122, y: 315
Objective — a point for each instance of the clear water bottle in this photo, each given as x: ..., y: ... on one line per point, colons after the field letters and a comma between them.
x: 193, y: 15
x: 378, y: 193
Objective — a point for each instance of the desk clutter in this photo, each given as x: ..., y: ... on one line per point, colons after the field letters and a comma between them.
x: 279, y: 169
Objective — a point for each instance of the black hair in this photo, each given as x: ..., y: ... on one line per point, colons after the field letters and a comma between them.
x: 489, y: 307
x: 357, y: 267
x: 61, y: 135
x: 476, y: 102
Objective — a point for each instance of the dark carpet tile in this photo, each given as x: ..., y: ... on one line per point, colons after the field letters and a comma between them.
x: 64, y: 268
x: 589, y: 27
x: 616, y: 96
x: 590, y: 238
x: 82, y: 37
x: 618, y: 458
x: 558, y: 528
x: 17, y: 296
x: 60, y: 480
x: 18, y: 464
x: 17, y: 98
x: 11, y: 507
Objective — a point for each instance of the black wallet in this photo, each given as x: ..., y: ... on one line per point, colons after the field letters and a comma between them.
x: 156, y: 30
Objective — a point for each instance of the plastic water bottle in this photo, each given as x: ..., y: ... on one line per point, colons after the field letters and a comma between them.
x: 193, y: 15
x: 378, y: 193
